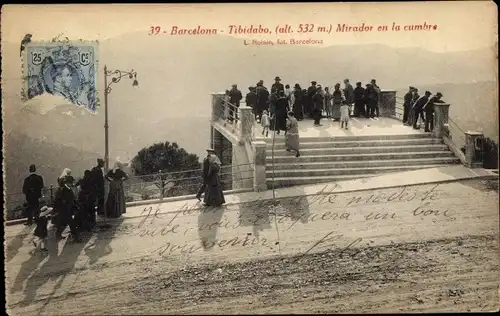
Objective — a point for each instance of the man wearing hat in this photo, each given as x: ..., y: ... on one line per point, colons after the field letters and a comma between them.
x: 204, y: 174
x: 407, y: 104
x: 32, y: 189
x: 309, y: 104
x: 97, y: 176
x: 251, y: 99
x: 429, y: 111
x: 235, y: 97
x: 277, y: 85
x: 418, y: 108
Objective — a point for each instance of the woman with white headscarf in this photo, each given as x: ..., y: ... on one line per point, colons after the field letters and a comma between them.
x: 213, y: 191
x: 115, y: 204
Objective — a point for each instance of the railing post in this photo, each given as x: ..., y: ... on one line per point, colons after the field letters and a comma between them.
x: 440, y: 119
x: 259, y: 169
x: 247, y: 123
x: 471, y: 159
x: 387, y: 103
x: 51, y: 194
x: 217, y: 107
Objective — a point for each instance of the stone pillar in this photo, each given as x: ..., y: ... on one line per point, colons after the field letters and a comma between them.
x: 226, y: 157
x: 259, y: 169
x: 217, y: 107
x: 387, y: 103
x: 471, y: 159
x: 440, y: 118
x: 247, y: 122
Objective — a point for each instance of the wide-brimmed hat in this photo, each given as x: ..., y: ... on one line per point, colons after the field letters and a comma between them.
x: 234, y: 85
x: 210, y: 150
x: 412, y: 88
x: 277, y: 79
x: 439, y: 94
x: 313, y: 82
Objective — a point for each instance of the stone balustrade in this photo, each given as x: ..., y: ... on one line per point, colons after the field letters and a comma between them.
x: 259, y: 169
x: 473, y: 151
x: 387, y: 103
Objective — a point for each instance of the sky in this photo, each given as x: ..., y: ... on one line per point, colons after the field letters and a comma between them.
x: 461, y: 25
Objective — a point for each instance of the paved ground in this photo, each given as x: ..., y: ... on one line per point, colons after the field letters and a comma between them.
x: 358, y: 127
x: 431, y: 247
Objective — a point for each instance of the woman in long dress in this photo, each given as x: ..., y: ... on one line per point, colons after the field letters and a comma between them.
x: 298, y: 99
x: 115, y: 204
x: 292, y: 135
x: 280, y: 113
x: 337, y: 100
x: 64, y: 204
x: 213, y: 191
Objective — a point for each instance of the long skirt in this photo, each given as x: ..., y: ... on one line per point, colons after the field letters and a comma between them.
x: 214, y: 195
x: 344, y: 113
x: 115, y: 204
x: 292, y: 141
x: 298, y: 111
x: 336, y: 111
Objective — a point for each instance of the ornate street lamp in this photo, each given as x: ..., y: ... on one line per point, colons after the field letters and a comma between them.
x: 116, y: 76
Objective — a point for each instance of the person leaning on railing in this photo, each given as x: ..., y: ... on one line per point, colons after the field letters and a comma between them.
x: 235, y: 97
x: 429, y: 111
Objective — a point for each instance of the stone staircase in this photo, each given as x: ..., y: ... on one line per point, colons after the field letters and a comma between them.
x: 325, y: 159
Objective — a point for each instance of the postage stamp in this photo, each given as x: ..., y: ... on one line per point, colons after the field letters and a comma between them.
x: 66, y: 69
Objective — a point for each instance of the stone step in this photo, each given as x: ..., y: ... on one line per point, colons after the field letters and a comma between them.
x: 298, y: 172
x: 362, y: 143
x: 290, y: 158
x: 362, y: 150
x: 364, y: 163
x: 294, y: 181
x: 281, y: 138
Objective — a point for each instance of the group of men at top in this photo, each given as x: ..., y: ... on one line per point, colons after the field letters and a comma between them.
x: 415, y: 106
x: 312, y: 101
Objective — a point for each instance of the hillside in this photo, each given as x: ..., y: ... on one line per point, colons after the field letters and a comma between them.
x: 176, y: 75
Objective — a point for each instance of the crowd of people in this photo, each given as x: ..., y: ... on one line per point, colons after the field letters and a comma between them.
x: 319, y: 102
x: 415, y: 106
x: 75, y: 203
x: 314, y: 102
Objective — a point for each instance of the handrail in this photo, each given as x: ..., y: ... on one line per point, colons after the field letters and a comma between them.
x: 153, y: 175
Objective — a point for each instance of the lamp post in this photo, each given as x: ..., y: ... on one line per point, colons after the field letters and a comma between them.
x: 116, y: 76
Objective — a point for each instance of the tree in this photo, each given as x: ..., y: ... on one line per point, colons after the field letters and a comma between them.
x: 171, y: 168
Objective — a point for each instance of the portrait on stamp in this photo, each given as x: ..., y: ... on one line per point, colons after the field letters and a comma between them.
x: 62, y: 69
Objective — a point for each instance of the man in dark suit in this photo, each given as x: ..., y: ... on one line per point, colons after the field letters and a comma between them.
x: 204, y: 175
x: 251, y: 99
x: 429, y: 111
x: 407, y: 104
x: 235, y: 97
x: 419, y: 106
x: 32, y: 189
x: 97, y: 181
x: 277, y: 85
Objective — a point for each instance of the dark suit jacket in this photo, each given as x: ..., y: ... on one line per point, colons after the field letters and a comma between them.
x: 206, y: 167
x: 32, y: 186
x: 97, y: 180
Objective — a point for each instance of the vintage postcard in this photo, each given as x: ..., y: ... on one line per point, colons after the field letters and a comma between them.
x: 250, y: 158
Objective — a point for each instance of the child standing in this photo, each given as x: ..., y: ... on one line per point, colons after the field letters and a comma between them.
x: 265, y: 121
x: 344, y: 115
x: 41, y: 228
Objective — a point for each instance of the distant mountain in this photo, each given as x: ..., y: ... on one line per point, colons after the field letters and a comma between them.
x: 176, y: 75
x: 20, y: 151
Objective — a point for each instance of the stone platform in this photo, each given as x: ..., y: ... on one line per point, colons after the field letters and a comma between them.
x: 357, y: 127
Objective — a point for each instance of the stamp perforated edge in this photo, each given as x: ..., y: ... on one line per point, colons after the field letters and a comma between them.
x: 54, y: 43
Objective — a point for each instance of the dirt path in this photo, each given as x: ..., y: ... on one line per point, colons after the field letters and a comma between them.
x: 401, y: 265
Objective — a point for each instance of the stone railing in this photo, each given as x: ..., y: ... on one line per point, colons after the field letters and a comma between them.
x: 467, y: 146
x: 237, y: 124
